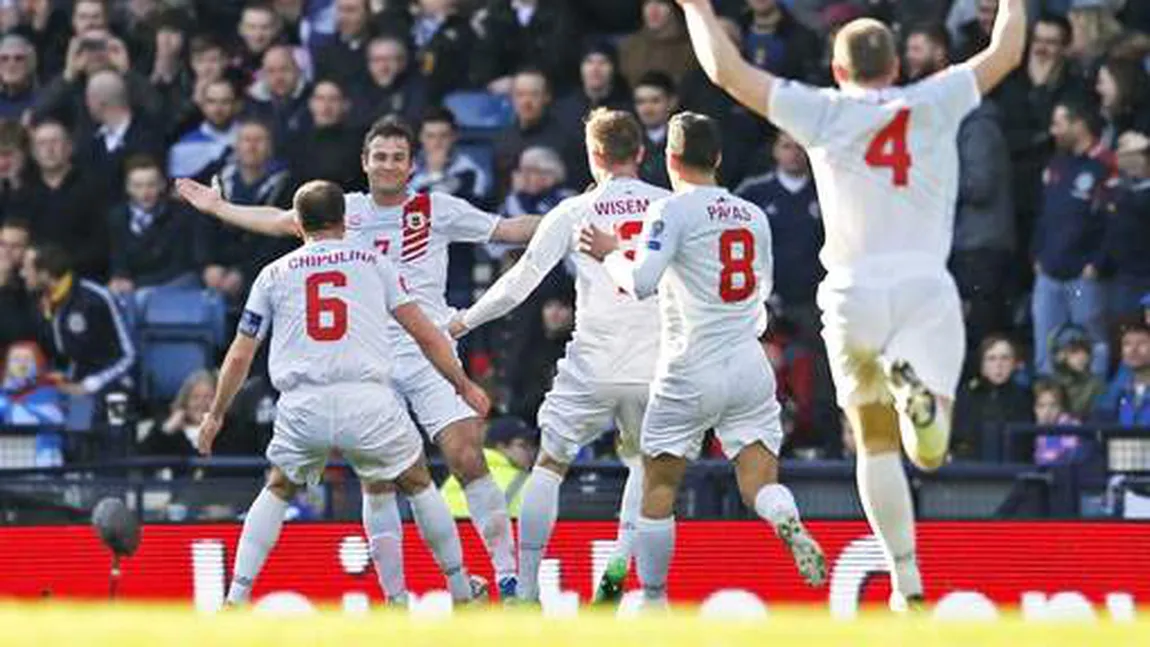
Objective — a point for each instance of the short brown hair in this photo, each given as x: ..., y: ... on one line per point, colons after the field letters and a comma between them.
x: 388, y: 127
x: 865, y: 47
x: 319, y: 204
x: 142, y: 162
x: 13, y: 135
x: 694, y: 139
x: 616, y: 134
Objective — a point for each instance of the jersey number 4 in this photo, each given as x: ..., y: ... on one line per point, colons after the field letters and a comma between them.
x: 333, y: 327
x: 737, y: 278
x: 888, y: 148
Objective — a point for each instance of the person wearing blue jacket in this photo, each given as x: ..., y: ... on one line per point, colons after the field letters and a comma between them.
x: 1127, y: 401
x: 1068, y: 238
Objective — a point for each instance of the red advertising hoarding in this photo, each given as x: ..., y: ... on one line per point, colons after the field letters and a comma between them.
x: 325, y: 562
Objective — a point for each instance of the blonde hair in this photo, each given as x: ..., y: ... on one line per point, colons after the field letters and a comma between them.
x: 616, y: 133
x: 865, y: 48
x: 1093, y: 30
x: 190, y: 382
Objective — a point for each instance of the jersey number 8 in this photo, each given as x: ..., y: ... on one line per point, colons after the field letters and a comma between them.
x: 335, y: 326
x: 740, y: 266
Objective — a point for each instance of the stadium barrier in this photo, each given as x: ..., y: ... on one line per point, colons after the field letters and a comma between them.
x: 1091, y: 565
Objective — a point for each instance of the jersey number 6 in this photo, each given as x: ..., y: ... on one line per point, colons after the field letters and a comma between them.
x: 740, y: 266
x: 888, y: 148
x: 335, y: 326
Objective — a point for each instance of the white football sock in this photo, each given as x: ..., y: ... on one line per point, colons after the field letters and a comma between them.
x: 885, y: 495
x: 775, y: 504
x: 261, y: 530
x: 488, y: 509
x: 654, y: 544
x: 384, y: 531
x: 441, y: 535
x: 629, y: 511
x: 536, y: 520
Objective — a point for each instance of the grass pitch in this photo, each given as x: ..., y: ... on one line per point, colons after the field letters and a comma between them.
x: 123, y: 625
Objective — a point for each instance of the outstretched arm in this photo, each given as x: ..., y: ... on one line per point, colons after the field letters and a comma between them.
x: 1007, y: 44
x: 233, y: 374
x: 515, y: 231
x: 544, y: 251
x: 437, y: 349
x: 721, y: 60
x: 268, y: 221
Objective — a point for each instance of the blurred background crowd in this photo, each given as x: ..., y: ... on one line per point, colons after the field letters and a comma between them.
x: 116, y: 299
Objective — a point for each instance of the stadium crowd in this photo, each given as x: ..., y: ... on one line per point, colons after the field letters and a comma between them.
x: 103, y: 104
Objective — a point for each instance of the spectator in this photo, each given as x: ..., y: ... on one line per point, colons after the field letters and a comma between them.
x: 209, y: 63
x: 794, y: 364
x: 330, y: 148
x: 600, y: 85
x: 1095, y: 28
x: 179, y: 432
x: 259, y: 28
x: 984, y: 231
x: 27, y: 395
x: 341, y: 58
x: 514, y: 33
x: 1069, y: 235
x: 973, y: 36
x: 655, y: 102
x: 18, y: 84
x: 510, y: 455
x: 440, y: 167
x: 1127, y: 400
x: 536, y: 184
x: 280, y: 97
x: 63, y: 201
x: 534, y: 125
x: 660, y: 45
x: 305, y: 21
x: 1123, y: 90
x: 442, y: 39
x: 1073, y: 354
x: 89, y: 332
x: 989, y: 401
x: 19, y: 321
x: 1127, y: 241
x: 253, y: 178
x: 14, y: 170
x: 1050, y: 411
x: 47, y: 27
x: 170, y: 75
x: 120, y: 133
x: 789, y: 199
x: 153, y: 239
x: 396, y: 87
x: 775, y: 41
x: 531, y: 367
x: 205, y: 149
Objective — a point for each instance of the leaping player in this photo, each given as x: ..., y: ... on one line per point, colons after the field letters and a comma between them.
x: 886, y: 162
x: 414, y: 230
x: 708, y: 253
x: 329, y: 305
x: 610, y: 361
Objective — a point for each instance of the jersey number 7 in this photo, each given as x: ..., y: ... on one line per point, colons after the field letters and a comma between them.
x: 888, y: 148
x: 334, y: 326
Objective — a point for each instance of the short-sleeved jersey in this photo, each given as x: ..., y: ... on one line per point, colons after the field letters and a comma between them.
x: 328, y: 306
x: 616, y: 336
x: 708, y: 253
x: 415, y: 237
x: 886, y: 165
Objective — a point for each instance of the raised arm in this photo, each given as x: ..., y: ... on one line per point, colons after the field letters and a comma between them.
x: 1007, y: 45
x: 233, y: 374
x: 721, y: 60
x: 437, y: 349
x: 515, y: 231
x: 268, y: 221
x: 544, y: 251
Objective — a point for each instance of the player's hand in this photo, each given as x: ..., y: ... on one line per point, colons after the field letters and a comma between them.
x: 1090, y: 273
x: 476, y: 398
x: 207, y: 199
x: 456, y: 327
x: 597, y: 243
x: 209, y: 428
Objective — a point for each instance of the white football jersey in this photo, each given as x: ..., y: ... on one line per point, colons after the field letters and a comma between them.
x: 415, y: 236
x: 886, y: 165
x: 328, y: 306
x: 708, y: 253
x: 616, y: 336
